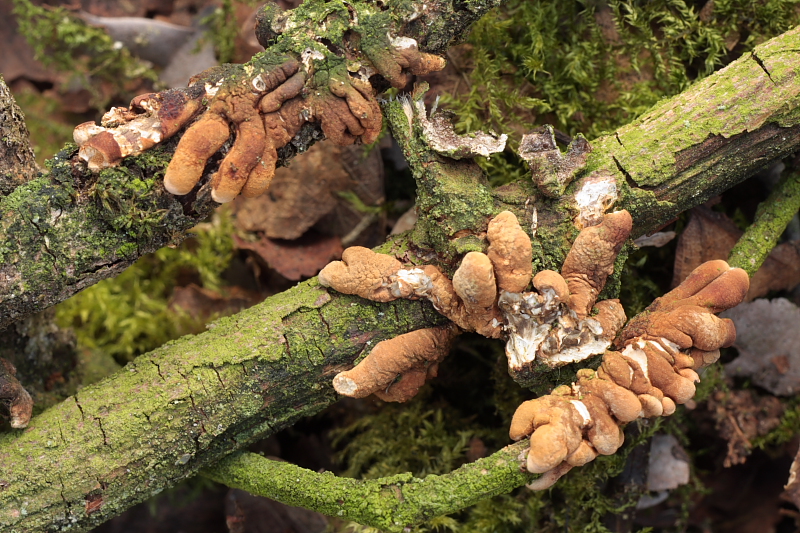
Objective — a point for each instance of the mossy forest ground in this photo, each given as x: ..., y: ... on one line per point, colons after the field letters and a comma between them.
x: 581, y: 65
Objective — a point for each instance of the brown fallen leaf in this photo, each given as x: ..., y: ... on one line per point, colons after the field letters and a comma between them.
x: 768, y: 341
x: 202, y: 304
x: 711, y: 235
x: 308, y: 190
x: 297, y: 259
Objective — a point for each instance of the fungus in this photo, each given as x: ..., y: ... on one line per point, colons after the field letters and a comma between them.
x: 14, y: 396
x: 661, y: 349
x: 264, y: 104
x: 486, y: 292
x: 396, y: 368
x: 554, y: 323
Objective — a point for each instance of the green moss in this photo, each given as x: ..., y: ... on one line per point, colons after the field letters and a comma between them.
x: 788, y: 428
x: 585, y: 68
x: 223, y: 30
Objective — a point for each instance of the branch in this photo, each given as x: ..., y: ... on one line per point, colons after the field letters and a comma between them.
x: 188, y: 404
x: 202, y: 397
x: 392, y: 504
x: 65, y: 231
x: 772, y: 217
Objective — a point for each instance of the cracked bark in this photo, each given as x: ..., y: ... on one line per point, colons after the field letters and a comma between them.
x: 17, y: 162
x: 261, y: 370
x: 186, y: 405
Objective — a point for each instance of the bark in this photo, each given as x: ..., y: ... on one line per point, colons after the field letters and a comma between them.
x: 17, y: 162
x: 408, y: 501
x: 191, y: 402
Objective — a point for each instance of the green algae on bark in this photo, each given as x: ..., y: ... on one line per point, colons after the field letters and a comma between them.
x: 772, y: 217
x: 188, y: 404
x: 713, y: 135
x: 392, y: 504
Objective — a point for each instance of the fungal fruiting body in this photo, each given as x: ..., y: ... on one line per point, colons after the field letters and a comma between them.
x: 263, y: 104
x: 656, y: 366
x: 486, y: 294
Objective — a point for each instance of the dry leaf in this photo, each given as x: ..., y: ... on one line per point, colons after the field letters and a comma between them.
x: 669, y: 464
x: 294, y: 260
x: 711, y: 235
x: 200, y: 303
x: 309, y: 189
x: 742, y: 415
x: 246, y: 513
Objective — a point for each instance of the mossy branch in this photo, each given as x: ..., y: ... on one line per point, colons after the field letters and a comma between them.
x: 772, y: 217
x: 392, y: 504
x: 201, y: 398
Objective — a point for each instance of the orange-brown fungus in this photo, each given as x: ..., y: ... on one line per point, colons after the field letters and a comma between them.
x: 396, y: 368
x: 655, y: 370
x: 264, y: 106
x: 362, y: 272
x: 591, y: 259
x: 485, y: 294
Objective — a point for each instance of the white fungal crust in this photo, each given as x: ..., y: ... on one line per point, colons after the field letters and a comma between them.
x: 408, y: 282
x: 438, y: 132
x: 131, y: 138
x: 596, y: 193
x: 542, y: 325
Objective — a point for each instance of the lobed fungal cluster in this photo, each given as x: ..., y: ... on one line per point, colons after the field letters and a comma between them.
x: 263, y: 104
x: 487, y: 295
x: 661, y: 351
x: 653, y: 368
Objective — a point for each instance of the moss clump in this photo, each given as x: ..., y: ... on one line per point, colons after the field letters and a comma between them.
x: 223, y: 30
x: 591, y: 67
x: 788, y: 428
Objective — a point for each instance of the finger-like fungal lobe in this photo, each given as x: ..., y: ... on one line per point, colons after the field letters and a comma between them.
x: 396, y: 368
x: 655, y: 369
x: 318, y: 74
x: 364, y: 273
x: 686, y: 317
x: 14, y: 396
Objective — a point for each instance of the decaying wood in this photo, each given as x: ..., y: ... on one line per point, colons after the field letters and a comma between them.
x: 193, y: 401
